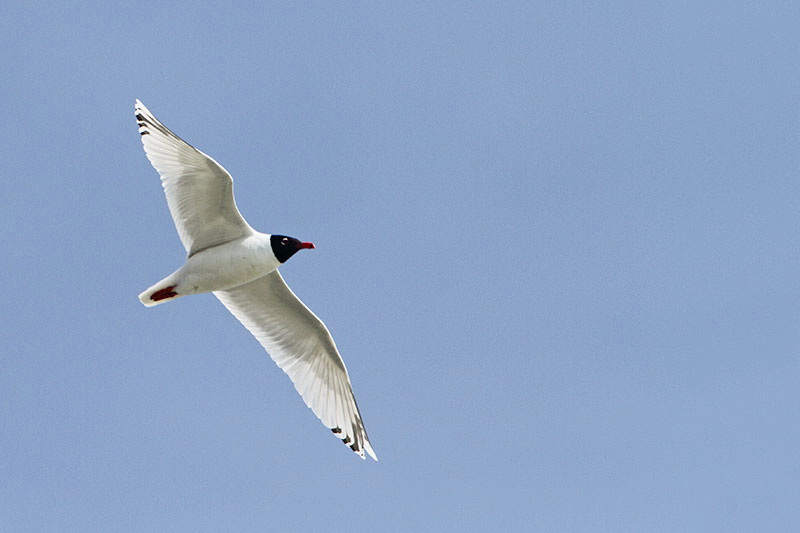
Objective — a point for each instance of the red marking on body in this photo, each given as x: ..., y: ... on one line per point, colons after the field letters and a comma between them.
x: 163, y: 294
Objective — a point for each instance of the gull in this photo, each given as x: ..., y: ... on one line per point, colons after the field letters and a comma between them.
x: 239, y: 265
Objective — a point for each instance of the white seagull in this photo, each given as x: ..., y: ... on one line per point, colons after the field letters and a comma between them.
x: 240, y: 266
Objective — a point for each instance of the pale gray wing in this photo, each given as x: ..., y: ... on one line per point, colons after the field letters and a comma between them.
x: 301, y: 345
x: 199, y: 191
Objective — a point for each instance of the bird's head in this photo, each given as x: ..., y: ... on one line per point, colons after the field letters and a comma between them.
x: 285, y: 247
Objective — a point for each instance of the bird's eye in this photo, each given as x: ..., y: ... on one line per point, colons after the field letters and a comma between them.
x: 284, y: 240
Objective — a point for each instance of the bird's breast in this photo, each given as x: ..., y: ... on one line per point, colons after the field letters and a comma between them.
x: 230, y: 265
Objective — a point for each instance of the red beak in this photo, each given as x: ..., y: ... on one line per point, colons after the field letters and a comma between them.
x: 309, y: 245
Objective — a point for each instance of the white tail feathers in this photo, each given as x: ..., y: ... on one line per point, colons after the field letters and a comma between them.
x: 158, y: 294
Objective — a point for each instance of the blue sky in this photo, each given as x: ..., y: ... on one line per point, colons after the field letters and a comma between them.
x: 556, y: 246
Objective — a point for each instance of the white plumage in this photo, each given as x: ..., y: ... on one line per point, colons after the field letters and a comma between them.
x: 240, y: 266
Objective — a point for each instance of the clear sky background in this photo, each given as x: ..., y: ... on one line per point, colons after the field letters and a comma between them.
x: 556, y: 245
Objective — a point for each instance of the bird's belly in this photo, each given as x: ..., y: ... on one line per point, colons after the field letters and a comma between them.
x: 227, y: 265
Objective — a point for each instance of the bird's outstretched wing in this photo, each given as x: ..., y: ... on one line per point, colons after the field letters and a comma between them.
x: 199, y: 191
x: 301, y: 345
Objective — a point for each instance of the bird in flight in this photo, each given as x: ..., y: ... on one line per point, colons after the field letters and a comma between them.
x: 239, y: 265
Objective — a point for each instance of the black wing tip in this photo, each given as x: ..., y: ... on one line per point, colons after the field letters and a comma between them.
x: 144, y: 122
x: 353, y: 445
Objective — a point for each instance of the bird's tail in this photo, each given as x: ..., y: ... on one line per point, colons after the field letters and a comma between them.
x: 161, y: 292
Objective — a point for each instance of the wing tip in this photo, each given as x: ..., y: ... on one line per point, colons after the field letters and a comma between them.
x: 147, y: 122
x: 358, y: 447
x: 139, y: 107
x: 370, y: 451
